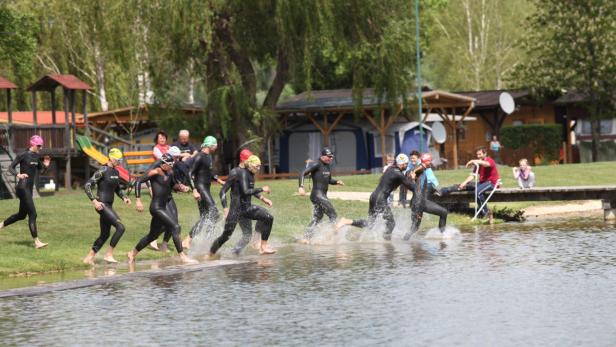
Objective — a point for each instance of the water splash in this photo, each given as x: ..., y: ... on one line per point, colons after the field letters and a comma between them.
x: 450, y: 233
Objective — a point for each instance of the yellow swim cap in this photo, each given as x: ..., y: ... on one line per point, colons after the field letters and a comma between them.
x: 253, y: 160
x: 115, y: 153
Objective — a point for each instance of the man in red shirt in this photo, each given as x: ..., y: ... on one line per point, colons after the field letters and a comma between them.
x: 488, y: 179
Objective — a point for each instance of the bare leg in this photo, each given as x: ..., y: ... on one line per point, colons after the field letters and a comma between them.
x: 89, y: 259
x: 343, y: 221
x: 132, y: 255
x: 164, y: 247
x: 109, y: 256
x: 256, y: 240
x: 186, y: 242
x: 1, y: 224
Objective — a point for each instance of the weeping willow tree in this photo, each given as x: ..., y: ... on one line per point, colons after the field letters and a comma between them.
x: 237, y: 57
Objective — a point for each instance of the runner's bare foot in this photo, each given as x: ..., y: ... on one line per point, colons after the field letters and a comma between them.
x: 154, y: 245
x: 266, y: 249
x: 187, y: 241
x: 110, y: 259
x: 39, y: 244
x: 164, y: 247
x: 303, y: 241
x: 211, y: 256
x: 88, y: 260
x: 1, y: 225
x: 186, y: 260
x: 343, y: 221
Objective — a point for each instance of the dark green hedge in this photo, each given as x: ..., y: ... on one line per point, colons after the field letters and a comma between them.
x: 544, y: 139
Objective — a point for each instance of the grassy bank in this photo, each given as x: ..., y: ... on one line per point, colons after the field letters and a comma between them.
x: 69, y: 223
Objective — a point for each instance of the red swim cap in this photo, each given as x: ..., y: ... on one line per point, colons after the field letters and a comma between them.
x: 426, y: 158
x: 245, y: 154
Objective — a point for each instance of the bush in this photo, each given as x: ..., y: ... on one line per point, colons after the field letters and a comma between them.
x: 543, y: 139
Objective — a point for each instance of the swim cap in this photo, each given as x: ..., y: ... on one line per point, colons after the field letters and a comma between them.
x: 253, y: 160
x: 402, y: 159
x: 426, y: 158
x: 326, y: 151
x: 115, y: 153
x: 245, y: 154
x: 209, y: 141
x: 174, y: 151
x: 36, y: 140
x: 167, y: 159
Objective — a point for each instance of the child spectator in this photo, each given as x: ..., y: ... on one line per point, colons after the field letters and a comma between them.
x: 524, y: 175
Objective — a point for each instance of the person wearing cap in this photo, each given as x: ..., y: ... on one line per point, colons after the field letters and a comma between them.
x: 201, y: 174
x: 231, y: 184
x: 107, y: 180
x: 186, y: 148
x: 390, y: 180
x: 246, y: 186
x: 489, y: 178
x: 413, y: 162
x: 163, y: 183
x: 30, y: 165
x: 321, y: 179
x: 421, y: 197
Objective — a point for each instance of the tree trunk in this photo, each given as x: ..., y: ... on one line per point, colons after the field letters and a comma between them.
x: 282, y: 74
x: 100, y: 77
x: 595, y: 126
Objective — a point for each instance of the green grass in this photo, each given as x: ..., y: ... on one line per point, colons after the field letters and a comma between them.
x: 69, y: 223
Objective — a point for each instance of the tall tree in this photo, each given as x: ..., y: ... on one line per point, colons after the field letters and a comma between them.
x: 473, y: 43
x: 572, y: 47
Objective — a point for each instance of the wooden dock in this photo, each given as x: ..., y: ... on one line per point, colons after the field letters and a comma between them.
x: 607, y: 194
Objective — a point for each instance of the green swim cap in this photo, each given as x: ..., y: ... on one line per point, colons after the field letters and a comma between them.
x: 209, y: 141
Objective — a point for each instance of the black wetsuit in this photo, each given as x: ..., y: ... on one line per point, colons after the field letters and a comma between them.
x: 243, y: 208
x: 421, y: 203
x: 180, y: 177
x: 29, y: 163
x: 245, y: 223
x: 391, y: 179
x: 108, y: 182
x: 321, y: 179
x: 162, y: 216
x: 201, y: 173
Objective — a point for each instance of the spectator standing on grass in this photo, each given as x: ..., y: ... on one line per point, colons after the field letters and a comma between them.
x: 495, y: 147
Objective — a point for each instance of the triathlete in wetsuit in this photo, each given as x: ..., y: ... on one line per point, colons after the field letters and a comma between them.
x: 30, y: 164
x: 321, y: 179
x: 245, y: 185
x: 245, y: 223
x: 202, y: 177
x: 108, y: 182
x: 163, y: 182
x: 421, y: 198
x: 390, y: 180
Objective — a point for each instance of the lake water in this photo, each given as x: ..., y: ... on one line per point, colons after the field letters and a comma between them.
x: 543, y: 284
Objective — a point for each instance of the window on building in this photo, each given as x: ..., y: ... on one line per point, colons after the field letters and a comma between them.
x: 605, y: 128
x: 389, y: 144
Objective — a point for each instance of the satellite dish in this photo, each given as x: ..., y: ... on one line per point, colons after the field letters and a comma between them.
x: 506, y: 102
x: 438, y: 132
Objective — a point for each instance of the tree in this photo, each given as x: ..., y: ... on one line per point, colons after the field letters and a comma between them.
x: 228, y: 45
x: 17, y: 46
x: 571, y: 47
x: 473, y: 43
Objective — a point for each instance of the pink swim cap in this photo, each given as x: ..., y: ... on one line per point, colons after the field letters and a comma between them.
x: 245, y: 154
x: 36, y: 141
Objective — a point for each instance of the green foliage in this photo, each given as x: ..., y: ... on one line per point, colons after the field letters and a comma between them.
x: 570, y: 47
x: 544, y: 139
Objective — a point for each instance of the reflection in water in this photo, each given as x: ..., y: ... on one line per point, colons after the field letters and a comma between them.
x: 539, y: 284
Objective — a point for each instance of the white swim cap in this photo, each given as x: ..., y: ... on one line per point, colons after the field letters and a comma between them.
x: 402, y: 159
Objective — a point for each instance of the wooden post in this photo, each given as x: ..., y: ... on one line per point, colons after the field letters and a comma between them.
x: 34, y: 120
x: 53, y: 106
x: 8, y: 105
x: 67, y: 174
x: 326, y: 133
x: 85, y: 112
x: 569, y: 147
